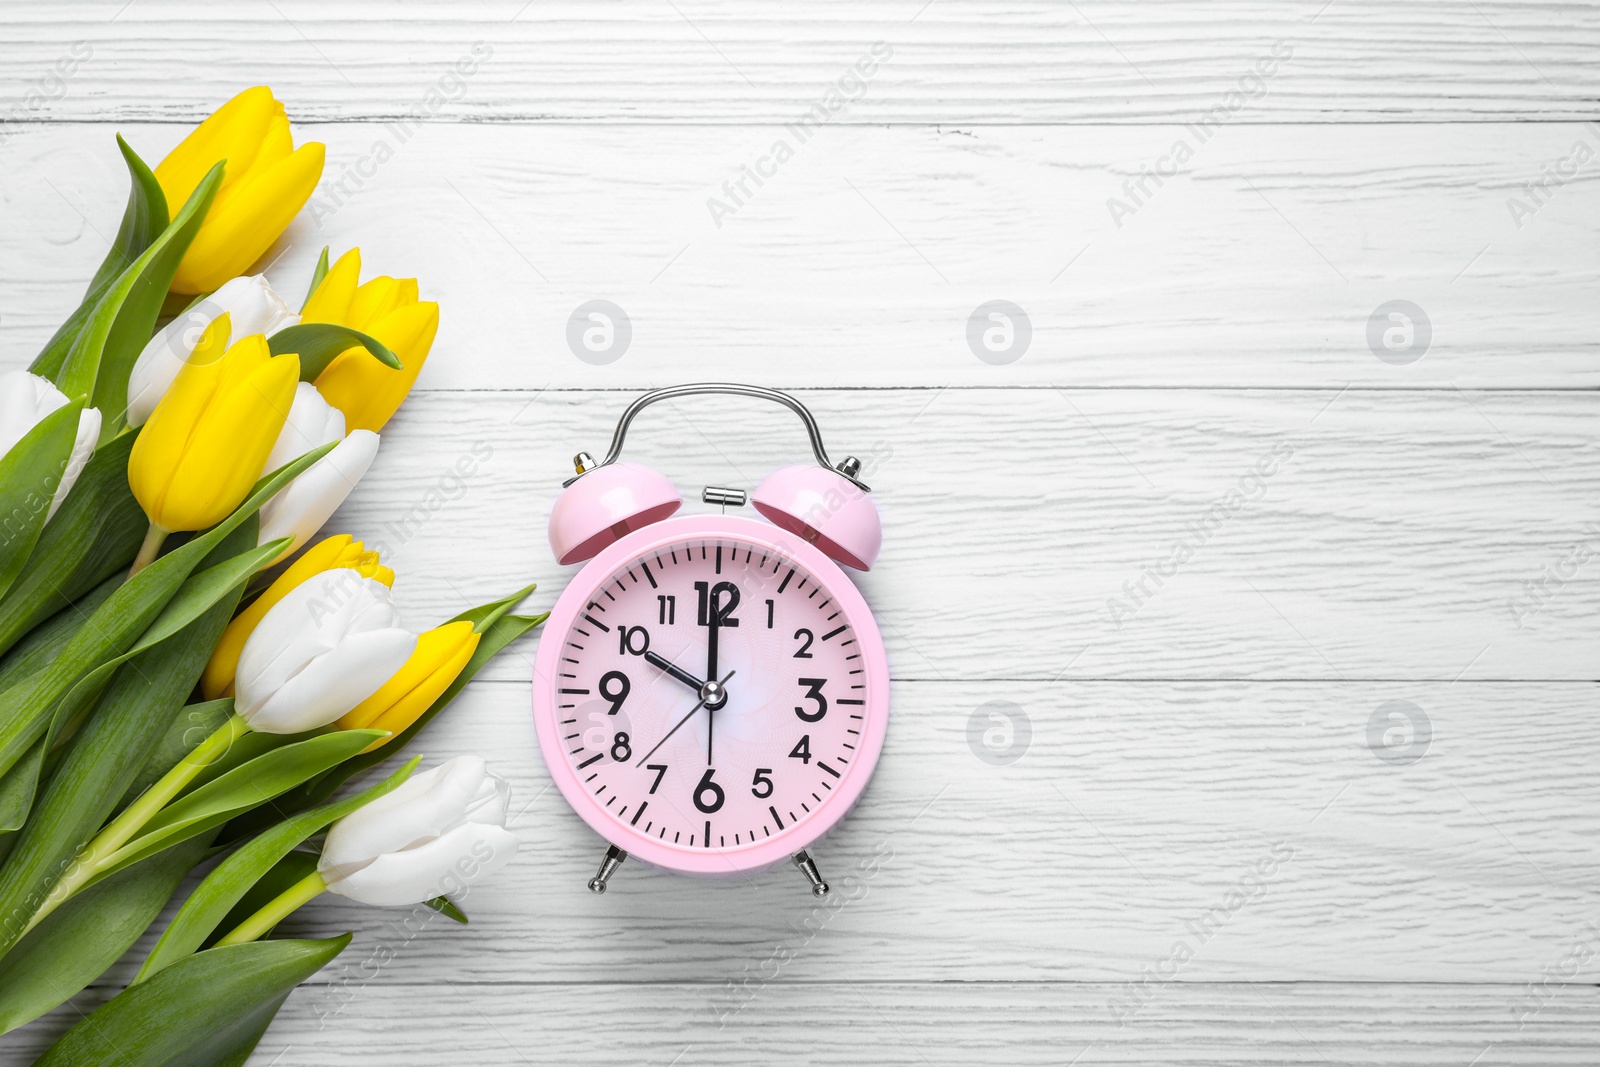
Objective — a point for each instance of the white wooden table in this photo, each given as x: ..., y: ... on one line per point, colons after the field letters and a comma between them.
x: 1206, y: 833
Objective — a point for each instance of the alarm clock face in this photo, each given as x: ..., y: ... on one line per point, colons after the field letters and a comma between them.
x: 729, y: 776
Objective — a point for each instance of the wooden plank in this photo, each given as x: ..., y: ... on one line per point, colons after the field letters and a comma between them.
x: 1394, y: 540
x: 863, y: 260
x: 1251, y: 822
x: 948, y: 62
x: 388, y: 1019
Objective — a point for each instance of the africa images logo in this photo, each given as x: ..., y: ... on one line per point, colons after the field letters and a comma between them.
x: 1251, y: 87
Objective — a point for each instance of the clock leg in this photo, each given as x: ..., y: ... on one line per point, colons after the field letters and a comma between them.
x: 808, y: 867
x: 608, y: 867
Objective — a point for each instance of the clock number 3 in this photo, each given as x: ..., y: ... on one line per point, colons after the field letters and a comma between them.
x: 813, y: 692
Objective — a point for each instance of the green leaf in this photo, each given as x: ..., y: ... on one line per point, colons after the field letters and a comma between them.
x: 279, y: 879
x: 197, y: 1011
x: 86, y: 935
x: 236, y: 1048
x: 226, y: 887
x: 34, y: 651
x: 206, y: 588
x: 139, y: 704
x: 241, y: 789
x: 124, y: 318
x: 144, y: 218
x: 194, y: 598
x: 448, y: 908
x: 44, y: 642
x: 194, y: 724
x: 317, y: 275
x: 92, y: 538
x: 29, y: 475
x: 317, y: 343
x: 18, y: 786
x: 29, y: 708
x: 486, y: 615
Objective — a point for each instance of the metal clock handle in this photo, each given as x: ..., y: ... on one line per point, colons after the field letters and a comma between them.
x: 847, y: 467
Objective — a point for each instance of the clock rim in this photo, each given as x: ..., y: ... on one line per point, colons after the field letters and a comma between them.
x: 741, y: 858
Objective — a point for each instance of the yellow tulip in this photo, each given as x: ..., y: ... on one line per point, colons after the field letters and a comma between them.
x: 328, y: 554
x: 265, y: 183
x: 388, y: 309
x: 201, y: 452
x: 442, y: 653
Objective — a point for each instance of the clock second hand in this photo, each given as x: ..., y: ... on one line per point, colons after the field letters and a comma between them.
x: 703, y: 700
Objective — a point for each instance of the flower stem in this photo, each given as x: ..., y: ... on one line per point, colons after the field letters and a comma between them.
x: 149, y: 549
x: 276, y: 910
x: 101, y: 851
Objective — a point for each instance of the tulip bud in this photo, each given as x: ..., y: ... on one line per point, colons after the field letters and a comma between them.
x: 25, y: 399
x: 436, y: 833
x: 201, y: 452
x: 312, y: 423
x: 339, y: 551
x: 330, y: 643
x: 368, y: 392
x: 265, y: 182
x: 300, y: 508
x: 253, y: 308
x: 441, y: 654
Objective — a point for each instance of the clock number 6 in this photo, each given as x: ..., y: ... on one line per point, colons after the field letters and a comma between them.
x: 708, y: 786
x: 813, y: 692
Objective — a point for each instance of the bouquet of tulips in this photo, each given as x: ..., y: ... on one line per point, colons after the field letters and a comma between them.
x: 189, y: 677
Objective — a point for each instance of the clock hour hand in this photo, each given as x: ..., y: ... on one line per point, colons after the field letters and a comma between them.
x: 710, y: 693
x: 656, y: 659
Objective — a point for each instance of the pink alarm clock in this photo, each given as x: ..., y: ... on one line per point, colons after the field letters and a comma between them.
x: 711, y: 691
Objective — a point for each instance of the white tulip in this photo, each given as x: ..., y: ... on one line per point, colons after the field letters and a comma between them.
x: 252, y: 307
x: 25, y: 399
x: 324, y: 648
x: 312, y: 422
x: 436, y: 833
x: 300, y: 508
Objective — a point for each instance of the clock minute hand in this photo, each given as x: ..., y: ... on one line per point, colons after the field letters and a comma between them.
x: 656, y: 659
x: 718, y: 692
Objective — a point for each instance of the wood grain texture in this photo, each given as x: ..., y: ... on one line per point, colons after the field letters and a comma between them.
x: 919, y: 1025
x: 1202, y: 766
x: 1386, y: 535
x: 862, y: 260
x: 1253, y: 823
x: 1132, y: 816
x: 952, y: 62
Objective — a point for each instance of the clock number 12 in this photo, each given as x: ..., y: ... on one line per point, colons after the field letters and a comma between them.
x: 718, y: 601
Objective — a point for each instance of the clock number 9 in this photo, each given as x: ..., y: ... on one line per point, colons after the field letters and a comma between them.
x: 614, y: 686
x: 708, y: 786
x: 813, y: 692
